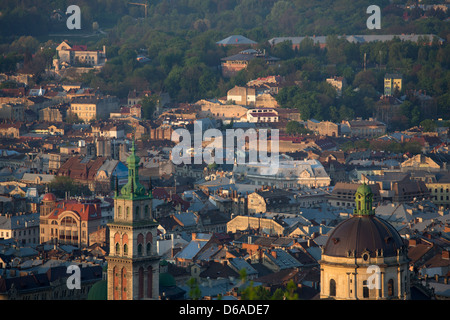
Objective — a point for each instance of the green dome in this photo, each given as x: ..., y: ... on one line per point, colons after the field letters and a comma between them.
x: 364, y: 189
x: 166, y: 280
x: 98, y: 291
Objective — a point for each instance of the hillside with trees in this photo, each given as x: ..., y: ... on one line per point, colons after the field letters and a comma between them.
x: 179, y: 38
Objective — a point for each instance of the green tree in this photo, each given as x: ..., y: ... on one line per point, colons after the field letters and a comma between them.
x: 194, y: 289
x: 148, y: 105
x: 60, y: 185
x: 428, y: 125
x: 290, y: 293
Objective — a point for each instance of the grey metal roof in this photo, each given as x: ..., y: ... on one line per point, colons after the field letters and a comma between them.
x: 235, y: 40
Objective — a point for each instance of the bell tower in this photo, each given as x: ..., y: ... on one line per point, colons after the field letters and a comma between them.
x: 133, y: 263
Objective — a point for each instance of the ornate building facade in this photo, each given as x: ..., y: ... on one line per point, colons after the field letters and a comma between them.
x: 364, y: 257
x: 133, y: 263
x: 68, y: 221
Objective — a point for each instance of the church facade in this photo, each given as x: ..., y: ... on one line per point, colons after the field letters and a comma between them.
x: 364, y: 257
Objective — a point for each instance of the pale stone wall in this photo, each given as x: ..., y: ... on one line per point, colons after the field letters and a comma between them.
x: 349, y: 274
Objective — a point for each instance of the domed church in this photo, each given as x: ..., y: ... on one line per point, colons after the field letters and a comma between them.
x: 364, y: 257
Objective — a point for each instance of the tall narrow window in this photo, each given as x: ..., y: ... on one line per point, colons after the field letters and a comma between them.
x: 365, y: 289
x: 390, y: 288
x: 332, y: 288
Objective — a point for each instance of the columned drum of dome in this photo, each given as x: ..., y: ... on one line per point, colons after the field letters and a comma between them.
x: 364, y: 257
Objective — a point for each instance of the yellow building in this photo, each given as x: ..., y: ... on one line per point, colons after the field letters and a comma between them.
x: 392, y: 83
x: 91, y: 108
x: 440, y: 191
x: 364, y: 257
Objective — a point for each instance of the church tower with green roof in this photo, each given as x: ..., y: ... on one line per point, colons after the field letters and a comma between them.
x: 133, y: 263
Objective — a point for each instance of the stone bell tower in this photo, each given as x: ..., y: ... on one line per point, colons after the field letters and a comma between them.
x: 133, y: 263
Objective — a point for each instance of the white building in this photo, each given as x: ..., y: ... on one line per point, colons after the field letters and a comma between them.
x: 290, y: 173
x: 262, y: 115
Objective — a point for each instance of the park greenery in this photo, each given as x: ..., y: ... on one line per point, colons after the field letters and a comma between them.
x: 179, y: 38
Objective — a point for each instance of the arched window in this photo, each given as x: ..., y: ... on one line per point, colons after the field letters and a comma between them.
x: 390, y: 288
x: 125, y: 243
x: 68, y: 222
x: 146, y: 212
x: 140, y: 249
x: 128, y: 213
x: 117, y: 248
x: 119, y: 212
x: 149, y: 248
x: 332, y: 288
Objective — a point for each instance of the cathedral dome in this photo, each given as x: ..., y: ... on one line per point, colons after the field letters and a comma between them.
x: 361, y: 235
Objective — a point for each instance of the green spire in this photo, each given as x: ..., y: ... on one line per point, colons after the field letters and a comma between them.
x: 133, y: 188
x: 364, y: 201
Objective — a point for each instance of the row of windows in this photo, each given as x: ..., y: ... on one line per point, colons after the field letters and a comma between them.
x: 390, y: 288
x: 441, y: 190
x: 137, y: 212
x: 17, y: 233
x: 83, y: 108
x: 148, y: 249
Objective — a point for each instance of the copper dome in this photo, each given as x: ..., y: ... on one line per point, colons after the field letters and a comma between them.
x: 49, y: 197
x: 361, y: 234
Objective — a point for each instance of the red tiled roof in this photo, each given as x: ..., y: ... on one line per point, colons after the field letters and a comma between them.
x: 79, y: 47
x: 75, y: 169
x: 86, y: 211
